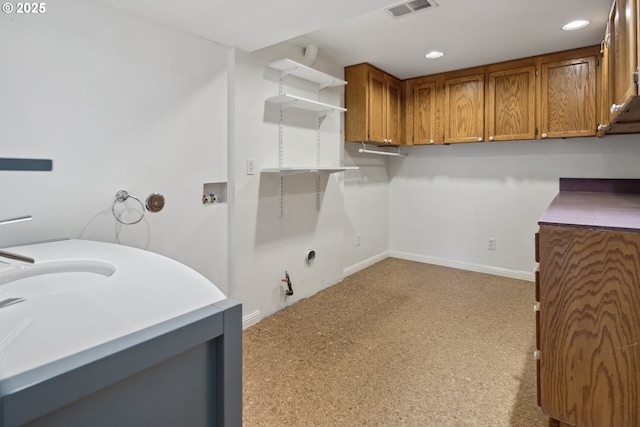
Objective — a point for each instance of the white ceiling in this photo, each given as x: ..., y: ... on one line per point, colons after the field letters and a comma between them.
x: 470, y: 32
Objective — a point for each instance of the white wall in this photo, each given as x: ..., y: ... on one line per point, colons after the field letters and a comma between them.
x: 121, y: 103
x: 266, y: 245
x: 366, y: 203
x: 117, y: 103
x: 446, y: 201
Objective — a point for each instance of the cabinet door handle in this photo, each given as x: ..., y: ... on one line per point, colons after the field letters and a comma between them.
x: 601, y: 127
x: 536, y: 307
x: 544, y: 135
x: 480, y: 139
x: 536, y: 355
x: 615, y: 108
x: 431, y: 141
x: 491, y: 138
x: 385, y: 140
x: 390, y: 141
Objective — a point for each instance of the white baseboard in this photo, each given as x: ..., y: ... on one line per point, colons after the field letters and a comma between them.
x: 366, y: 263
x: 251, y: 319
x: 479, y: 268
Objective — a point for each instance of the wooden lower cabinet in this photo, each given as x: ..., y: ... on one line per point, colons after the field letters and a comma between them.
x: 589, y: 311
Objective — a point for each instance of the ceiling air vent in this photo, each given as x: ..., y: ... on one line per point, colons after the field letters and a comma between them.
x: 408, y: 7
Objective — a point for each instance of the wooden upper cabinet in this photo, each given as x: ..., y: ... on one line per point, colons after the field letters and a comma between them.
x: 548, y: 96
x: 393, y: 119
x: 623, y: 43
x: 421, y: 111
x: 568, y: 97
x: 374, y: 106
x: 620, y: 108
x: 511, y: 113
x: 606, y: 87
x: 464, y: 109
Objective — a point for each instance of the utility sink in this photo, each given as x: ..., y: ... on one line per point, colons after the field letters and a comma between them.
x: 41, y: 283
x: 79, y: 294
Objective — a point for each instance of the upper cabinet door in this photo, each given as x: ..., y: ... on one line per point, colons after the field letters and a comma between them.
x: 568, y: 98
x: 606, y: 82
x: 376, y: 106
x: 623, y: 43
x: 464, y: 109
x: 511, y: 104
x: 421, y: 114
x: 393, y: 111
x: 374, y: 102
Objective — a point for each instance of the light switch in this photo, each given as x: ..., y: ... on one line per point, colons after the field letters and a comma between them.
x: 251, y: 166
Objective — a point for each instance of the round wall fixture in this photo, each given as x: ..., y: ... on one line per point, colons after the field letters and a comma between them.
x: 155, y: 202
x: 310, y: 255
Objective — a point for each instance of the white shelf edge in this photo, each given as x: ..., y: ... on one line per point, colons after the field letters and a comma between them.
x: 287, y: 100
x: 302, y: 71
x: 307, y: 169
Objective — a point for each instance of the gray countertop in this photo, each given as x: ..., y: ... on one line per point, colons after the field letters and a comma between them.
x: 595, y: 203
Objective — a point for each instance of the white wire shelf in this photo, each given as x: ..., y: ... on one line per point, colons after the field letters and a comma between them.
x: 287, y: 100
x: 306, y: 169
x: 287, y: 66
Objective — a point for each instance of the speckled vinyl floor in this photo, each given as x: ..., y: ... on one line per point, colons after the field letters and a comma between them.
x: 400, y: 343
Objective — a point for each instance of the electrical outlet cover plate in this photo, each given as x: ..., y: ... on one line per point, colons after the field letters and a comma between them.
x: 492, y: 244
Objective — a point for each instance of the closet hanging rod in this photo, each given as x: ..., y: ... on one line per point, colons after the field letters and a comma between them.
x: 382, y: 153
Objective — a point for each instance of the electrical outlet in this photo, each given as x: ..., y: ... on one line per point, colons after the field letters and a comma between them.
x: 251, y: 166
x: 492, y: 244
x: 358, y: 240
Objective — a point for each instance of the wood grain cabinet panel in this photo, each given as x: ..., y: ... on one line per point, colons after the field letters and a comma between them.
x: 568, y: 98
x: 623, y: 43
x: 547, y: 96
x: 589, y: 310
x: 511, y: 113
x: 421, y: 111
x: 376, y: 106
x: 393, y: 109
x: 374, y: 102
x: 620, y: 108
x: 590, y: 325
x: 605, y: 116
x: 464, y: 109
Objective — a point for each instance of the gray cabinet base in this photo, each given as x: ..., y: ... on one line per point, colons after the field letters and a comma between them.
x: 185, y: 371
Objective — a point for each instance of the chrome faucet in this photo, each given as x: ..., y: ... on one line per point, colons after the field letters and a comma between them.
x: 10, y: 255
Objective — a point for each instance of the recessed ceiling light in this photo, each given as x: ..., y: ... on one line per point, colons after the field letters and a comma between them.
x: 434, y: 54
x: 575, y: 25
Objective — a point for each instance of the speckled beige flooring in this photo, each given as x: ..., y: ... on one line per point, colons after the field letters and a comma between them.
x: 397, y: 344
